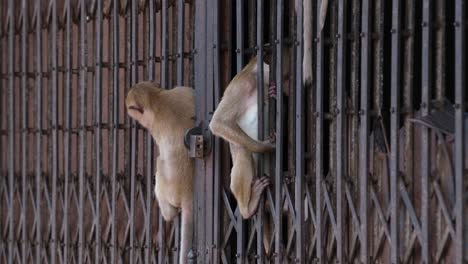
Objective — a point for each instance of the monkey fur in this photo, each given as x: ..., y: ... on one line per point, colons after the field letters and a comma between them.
x: 235, y: 120
x: 167, y: 114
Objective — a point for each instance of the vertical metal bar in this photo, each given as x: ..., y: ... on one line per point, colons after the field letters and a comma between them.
x: 180, y: 42
x: 460, y: 128
x: 239, y: 65
x: 319, y: 135
x: 24, y: 147
x: 364, y: 125
x: 97, y: 132
x: 216, y: 158
x: 279, y: 131
x: 239, y: 35
x: 440, y: 49
x: 115, y: 123
x: 53, y: 244
x: 209, y: 88
x: 200, y: 106
x: 164, y: 84
x: 11, y: 128
x: 67, y: 53
x: 407, y: 100
x: 354, y: 87
x: 261, y: 122
x: 149, y: 140
x: 300, y: 138
x: 38, y: 131
x: 426, y: 84
x: 340, y: 127
x: 133, y: 139
x: 395, y: 123
x: 164, y: 44
x: 81, y: 151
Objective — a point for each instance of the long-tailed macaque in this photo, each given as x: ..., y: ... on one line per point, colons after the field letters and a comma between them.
x: 235, y: 120
x: 167, y: 114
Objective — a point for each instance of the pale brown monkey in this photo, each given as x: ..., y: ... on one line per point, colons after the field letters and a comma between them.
x: 167, y: 114
x: 235, y: 120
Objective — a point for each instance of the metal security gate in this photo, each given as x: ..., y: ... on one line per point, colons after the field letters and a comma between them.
x: 371, y: 164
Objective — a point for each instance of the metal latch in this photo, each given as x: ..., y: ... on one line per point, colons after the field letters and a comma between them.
x: 196, y: 142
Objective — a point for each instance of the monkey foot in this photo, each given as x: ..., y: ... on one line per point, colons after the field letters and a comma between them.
x: 257, y: 189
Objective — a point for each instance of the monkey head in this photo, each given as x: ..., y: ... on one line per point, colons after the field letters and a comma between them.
x: 140, y: 102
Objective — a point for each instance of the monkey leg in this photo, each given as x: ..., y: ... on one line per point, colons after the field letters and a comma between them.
x: 167, y: 210
x: 246, y: 190
x: 186, y: 231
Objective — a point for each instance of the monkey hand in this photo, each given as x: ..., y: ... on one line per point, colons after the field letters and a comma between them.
x: 269, y: 143
x: 268, y: 146
x: 272, y: 90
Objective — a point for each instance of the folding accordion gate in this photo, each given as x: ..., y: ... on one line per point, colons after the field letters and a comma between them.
x: 371, y: 159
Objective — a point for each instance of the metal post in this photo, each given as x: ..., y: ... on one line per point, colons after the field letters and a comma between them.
x: 97, y: 127
x: 299, y: 135
x: 24, y: 135
x: 460, y: 129
x: 395, y: 124
x: 340, y: 129
x: 149, y: 139
x: 54, y: 121
x: 261, y: 128
x: 426, y: 84
x: 364, y: 126
x: 38, y: 131
x: 319, y: 136
x: 11, y: 129
x: 115, y: 124
x: 279, y: 132
x: 83, y: 72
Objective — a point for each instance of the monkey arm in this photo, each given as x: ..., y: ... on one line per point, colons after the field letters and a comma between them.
x: 230, y: 131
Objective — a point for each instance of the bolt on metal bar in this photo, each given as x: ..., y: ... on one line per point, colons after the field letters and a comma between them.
x: 426, y: 84
x: 364, y: 126
x: 115, y: 130
x: 97, y: 134
x: 11, y: 129
x: 81, y: 151
x: 279, y: 132
x: 460, y: 129
x: 24, y: 139
x: 300, y: 135
x: 149, y: 139
x: 261, y: 126
x: 341, y: 129
x: 38, y: 133
x: 133, y: 134
x: 394, y: 130
x: 54, y: 95
x: 319, y: 136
